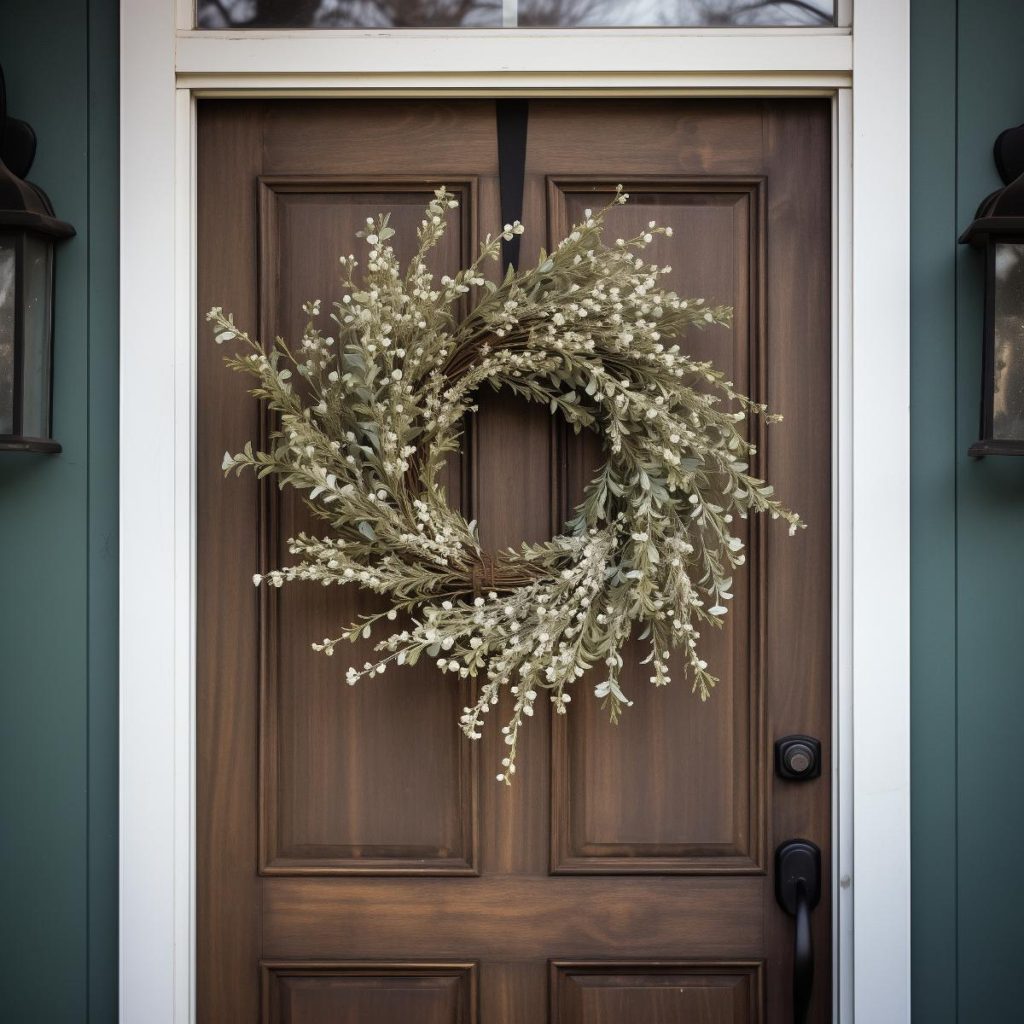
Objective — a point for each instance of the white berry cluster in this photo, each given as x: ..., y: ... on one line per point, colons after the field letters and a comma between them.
x: 374, y: 396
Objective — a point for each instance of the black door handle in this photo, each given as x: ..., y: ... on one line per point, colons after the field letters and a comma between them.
x: 798, y: 890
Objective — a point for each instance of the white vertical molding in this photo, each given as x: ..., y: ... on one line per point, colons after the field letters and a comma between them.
x: 881, y: 509
x: 842, y: 553
x: 509, y: 13
x: 185, y: 576
x: 154, y: 959
x: 185, y: 14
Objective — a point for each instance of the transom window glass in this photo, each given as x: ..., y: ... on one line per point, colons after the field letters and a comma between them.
x: 214, y: 14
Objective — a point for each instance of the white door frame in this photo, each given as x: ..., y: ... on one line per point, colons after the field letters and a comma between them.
x: 165, y: 67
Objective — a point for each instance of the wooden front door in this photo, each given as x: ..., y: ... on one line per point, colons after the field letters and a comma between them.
x: 357, y: 862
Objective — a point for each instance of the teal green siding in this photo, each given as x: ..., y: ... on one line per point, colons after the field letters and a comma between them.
x: 968, y: 537
x: 58, y: 549
x: 933, y: 509
x: 990, y: 562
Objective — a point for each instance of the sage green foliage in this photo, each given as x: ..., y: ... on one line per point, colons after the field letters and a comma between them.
x: 378, y: 399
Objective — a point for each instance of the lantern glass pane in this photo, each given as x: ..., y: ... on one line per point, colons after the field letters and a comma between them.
x: 36, y: 292
x: 8, y: 297
x: 1008, y: 321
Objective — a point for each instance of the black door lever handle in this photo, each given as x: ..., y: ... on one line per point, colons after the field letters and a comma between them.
x: 798, y: 890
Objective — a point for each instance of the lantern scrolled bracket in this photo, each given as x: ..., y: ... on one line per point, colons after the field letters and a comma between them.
x: 998, y: 232
x: 29, y: 231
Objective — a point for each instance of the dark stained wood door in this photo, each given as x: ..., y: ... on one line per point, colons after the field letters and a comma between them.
x: 357, y: 862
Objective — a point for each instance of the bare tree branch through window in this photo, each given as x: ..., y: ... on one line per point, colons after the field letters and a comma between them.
x: 219, y: 14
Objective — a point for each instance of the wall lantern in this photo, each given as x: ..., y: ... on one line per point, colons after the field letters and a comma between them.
x: 28, y: 233
x: 998, y: 229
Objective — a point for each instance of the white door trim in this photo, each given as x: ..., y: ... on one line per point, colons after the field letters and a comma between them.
x: 164, y: 69
x: 880, y: 495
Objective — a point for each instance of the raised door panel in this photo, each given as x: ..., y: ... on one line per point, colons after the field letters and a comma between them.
x: 677, y: 786
x: 352, y: 993
x: 677, y: 993
x: 372, y: 778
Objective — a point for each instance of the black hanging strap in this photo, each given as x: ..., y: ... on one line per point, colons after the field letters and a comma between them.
x: 512, y: 116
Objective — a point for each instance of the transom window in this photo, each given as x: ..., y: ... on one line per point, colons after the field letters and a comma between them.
x: 327, y: 14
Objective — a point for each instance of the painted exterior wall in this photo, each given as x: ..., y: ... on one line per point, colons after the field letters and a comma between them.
x: 968, y: 541
x: 58, y: 697
x: 934, y: 460
x: 58, y: 547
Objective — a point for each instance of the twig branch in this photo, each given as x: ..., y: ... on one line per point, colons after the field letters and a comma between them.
x: 229, y: 18
x: 802, y: 5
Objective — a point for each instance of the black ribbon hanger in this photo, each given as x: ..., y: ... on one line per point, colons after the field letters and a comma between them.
x: 512, y: 117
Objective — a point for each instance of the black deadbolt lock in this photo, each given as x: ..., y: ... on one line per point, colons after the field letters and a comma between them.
x: 798, y: 758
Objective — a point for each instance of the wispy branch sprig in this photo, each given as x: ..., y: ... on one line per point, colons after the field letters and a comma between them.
x: 373, y: 397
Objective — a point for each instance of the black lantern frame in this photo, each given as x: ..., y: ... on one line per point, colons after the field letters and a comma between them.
x: 998, y: 229
x: 28, y: 234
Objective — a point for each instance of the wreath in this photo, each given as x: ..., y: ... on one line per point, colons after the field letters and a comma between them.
x: 368, y: 408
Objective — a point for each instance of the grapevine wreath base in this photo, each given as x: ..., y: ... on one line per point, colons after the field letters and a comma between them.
x: 372, y: 401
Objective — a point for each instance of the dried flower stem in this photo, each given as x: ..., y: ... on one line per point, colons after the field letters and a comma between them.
x: 368, y: 414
